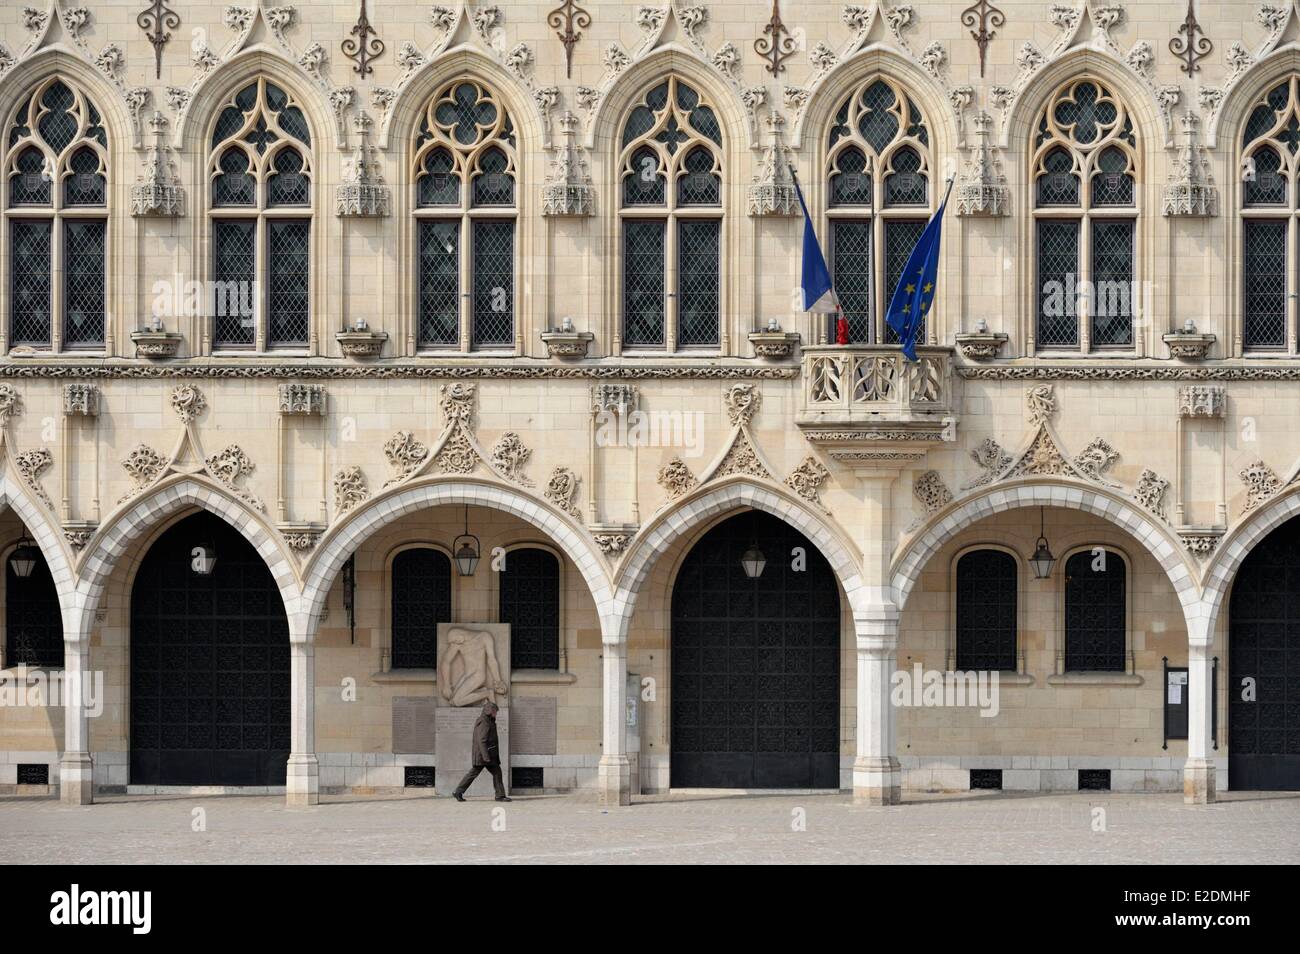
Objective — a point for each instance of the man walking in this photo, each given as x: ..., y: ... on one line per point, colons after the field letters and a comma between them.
x: 487, y: 754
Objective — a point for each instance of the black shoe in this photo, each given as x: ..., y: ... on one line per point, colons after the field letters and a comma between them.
x: 504, y: 798
x: 458, y: 796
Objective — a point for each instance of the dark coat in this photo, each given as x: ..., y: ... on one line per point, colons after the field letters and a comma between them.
x: 487, y: 747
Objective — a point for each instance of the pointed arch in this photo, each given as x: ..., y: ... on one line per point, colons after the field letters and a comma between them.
x: 1231, y: 116
x: 839, y: 81
x: 714, y: 500
x: 1161, y: 543
x: 138, y: 516
x: 29, y: 73
x: 1221, y: 571
x: 193, y: 128
x: 47, y: 536
x: 346, y: 535
x: 606, y: 122
x: 403, y: 116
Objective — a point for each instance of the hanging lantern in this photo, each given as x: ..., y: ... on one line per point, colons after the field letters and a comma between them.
x: 753, y: 561
x: 203, y: 559
x: 24, y: 558
x: 465, y: 550
x: 1042, y: 561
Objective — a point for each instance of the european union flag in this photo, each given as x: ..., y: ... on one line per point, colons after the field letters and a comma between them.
x: 916, y: 287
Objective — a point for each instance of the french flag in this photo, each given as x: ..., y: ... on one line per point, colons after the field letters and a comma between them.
x: 818, y: 291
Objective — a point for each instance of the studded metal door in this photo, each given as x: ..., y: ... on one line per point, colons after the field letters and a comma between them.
x: 755, y: 663
x: 209, y: 664
x: 1264, y: 652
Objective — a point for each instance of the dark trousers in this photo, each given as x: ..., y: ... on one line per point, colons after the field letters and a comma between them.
x: 472, y: 774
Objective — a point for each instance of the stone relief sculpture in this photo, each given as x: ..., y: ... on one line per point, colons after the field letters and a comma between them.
x: 468, y: 673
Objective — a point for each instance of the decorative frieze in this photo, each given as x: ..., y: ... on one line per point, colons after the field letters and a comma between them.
x: 562, y: 490
x: 80, y: 399
x: 302, y: 399
x: 504, y: 371
x: 349, y: 489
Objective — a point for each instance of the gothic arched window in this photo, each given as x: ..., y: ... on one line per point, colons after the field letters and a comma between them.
x: 986, y: 593
x: 878, y: 167
x: 421, y: 599
x: 530, y: 603
x: 260, y: 202
x: 56, y: 204
x: 1268, y: 209
x: 1085, y: 220
x: 465, y: 168
x: 670, y: 197
x: 1096, y: 611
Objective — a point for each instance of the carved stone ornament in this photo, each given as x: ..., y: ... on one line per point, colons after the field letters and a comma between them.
x: 363, y: 192
x: 10, y: 403
x: 612, y: 541
x: 509, y: 455
x: 188, y: 402
x: 78, y: 537
x: 1190, y: 190
x: 562, y: 490
x: 231, y: 465
x: 1261, y: 484
x: 1150, y: 493
x: 143, y: 465
x: 1187, y: 346
x: 991, y: 459
x: 361, y: 344
x: 774, y: 344
x: 772, y: 190
x: 1095, y: 460
x: 1040, y: 403
x: 561, y: 343
x: 741, y: 458
x: 930, y: 490
x: 349, y: 489
x: 568, y: 189
x: 982, y: 187
x: 981, y: 345
x: 676, y: 478
x: 1202, y: 400
x: 806, y: 480
x: 302, y: 399
x: 1201, y: 543
x: 80, y: 399
x: 457, y: 454
x: 611, y: 397
x: 405, y: 454
x: 31, y: 464
x: 156, y: 344
x: 301, y: 539
x: 158, y: 190
x: 742, y: 400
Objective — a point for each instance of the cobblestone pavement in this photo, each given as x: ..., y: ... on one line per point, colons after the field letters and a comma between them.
x: 1245, y: 828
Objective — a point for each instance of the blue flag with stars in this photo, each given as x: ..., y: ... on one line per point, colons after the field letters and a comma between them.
x: 917, y: 285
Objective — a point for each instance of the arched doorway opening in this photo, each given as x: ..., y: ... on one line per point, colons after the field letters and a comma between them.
x: 209, y: 662
x: 1264, y: 648
x: 755, y: 662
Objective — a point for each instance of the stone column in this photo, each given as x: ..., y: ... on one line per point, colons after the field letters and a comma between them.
x: 76, y: 781
x: 302, y: 784
x: 1198, y: 773
x: 614, y: 771
x: 877, y: 774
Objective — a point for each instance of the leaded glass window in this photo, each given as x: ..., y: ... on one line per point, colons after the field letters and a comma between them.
x: 465, y: 168
x: 260, y: 177
x: 421, y: 599
x: 530, y: 603
x: 986, y: 595
x: 878, y: 166
x: 1270, y: 166
x: 1096, y: 612
x: 670, y: 165
x: 56, y: 204
x: 1085, y: 175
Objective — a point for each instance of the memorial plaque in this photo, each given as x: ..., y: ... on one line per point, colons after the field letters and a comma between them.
x: 414, y: 729
x: 533, y: 725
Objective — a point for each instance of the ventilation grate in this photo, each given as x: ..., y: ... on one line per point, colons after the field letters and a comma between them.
x: 1094, y: 780
x: 418, y: 776
x: 522, y: 777
x: 986, y: 778
x: 33, y: 774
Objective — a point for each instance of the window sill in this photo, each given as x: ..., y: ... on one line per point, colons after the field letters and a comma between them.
x: 406, y: 675
x: 550, y: 677
x: 1095, y: 679
x: 1015, y: 679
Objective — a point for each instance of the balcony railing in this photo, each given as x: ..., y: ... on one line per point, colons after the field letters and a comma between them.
x: 844, y: 384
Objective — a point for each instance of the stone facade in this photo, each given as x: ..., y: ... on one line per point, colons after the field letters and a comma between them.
x: 348, y: 445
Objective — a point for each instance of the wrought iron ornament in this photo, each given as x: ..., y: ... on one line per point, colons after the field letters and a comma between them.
x: 365, y: 47
x: 568, y: 20
x: 1188, y: 45
x: 988, y: 18
x: 158, y: 20
x: 776, y: 45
